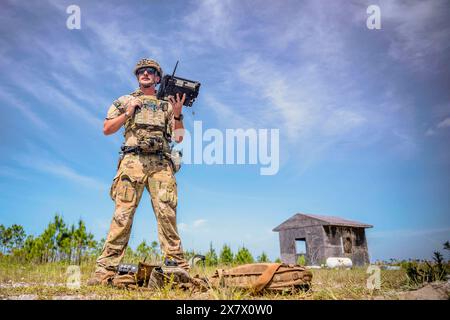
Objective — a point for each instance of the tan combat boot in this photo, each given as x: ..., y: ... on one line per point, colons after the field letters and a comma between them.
x: 101, y: 277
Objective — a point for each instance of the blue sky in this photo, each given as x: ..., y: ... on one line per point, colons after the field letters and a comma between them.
x: 364, y: 115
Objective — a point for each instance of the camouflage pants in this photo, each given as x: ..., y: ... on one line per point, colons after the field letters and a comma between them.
x: 136, y: 172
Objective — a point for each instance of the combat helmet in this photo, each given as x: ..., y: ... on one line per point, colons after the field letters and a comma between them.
x: 148, y: 63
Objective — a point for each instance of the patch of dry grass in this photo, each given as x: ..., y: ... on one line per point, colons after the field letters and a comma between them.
x: 48, y: 281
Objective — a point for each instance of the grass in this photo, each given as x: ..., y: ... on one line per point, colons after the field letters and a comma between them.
x: 48, y: 281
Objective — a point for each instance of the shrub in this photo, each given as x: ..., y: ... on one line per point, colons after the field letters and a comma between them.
x: 419, y: 273
x: 301, y: 260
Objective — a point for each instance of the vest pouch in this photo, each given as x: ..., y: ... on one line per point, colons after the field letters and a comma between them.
x: 163, y: 276
x: 150, y: 115
x: 152, y: 145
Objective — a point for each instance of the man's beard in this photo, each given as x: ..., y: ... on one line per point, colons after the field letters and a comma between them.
x: 147, y: 84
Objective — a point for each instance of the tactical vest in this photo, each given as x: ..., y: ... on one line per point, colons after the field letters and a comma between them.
x: 150, y: 124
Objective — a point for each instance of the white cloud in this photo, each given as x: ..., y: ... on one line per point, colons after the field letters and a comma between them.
x: 295, y: 102
x: 321, y: 101
x: 73, y: 176
x: 441, y: 125
x: 444, y: 123
x: 62, y: 171
x: 297, y: 75
x: 103, y: 47
x: 26, y: 111
x: 199, y: 223
x: 56, y: 99
x: 225, y: 113
x: 196, y: 225
x: 420, y: 34
x: 86, y: 94
x: 289, y: 107
x: 407, y: 145
x: 342, y: 121
x: 314, y: 99
x: 211, y: 21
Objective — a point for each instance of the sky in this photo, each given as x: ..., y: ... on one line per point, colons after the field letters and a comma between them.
x: 363, y: 115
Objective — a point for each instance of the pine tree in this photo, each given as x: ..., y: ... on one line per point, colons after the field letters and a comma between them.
x: 5, y: 238
x: 244, y: 256
x: 46, y: 242
x: 63, y: 239
x: 2, y: 237
x: 71, y: 244
x: 84, y: 241
x: 11, y: 238
x: 226, y: 255
x: 38, y: 250
x: 28, y: 249
x: 447, y: 245
x: 211, y: 256
x: 18, y: 236
x: 263, y: 258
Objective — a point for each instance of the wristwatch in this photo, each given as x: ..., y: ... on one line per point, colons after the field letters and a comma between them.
x: 127, y: 114
x: 180, y: 118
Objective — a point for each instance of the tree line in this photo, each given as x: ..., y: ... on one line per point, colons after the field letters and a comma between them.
x: 59, y: 242
x: 227, y: 257
x: 73, y: 244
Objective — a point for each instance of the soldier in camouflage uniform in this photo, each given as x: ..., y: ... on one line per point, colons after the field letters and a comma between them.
x: 150, y: 125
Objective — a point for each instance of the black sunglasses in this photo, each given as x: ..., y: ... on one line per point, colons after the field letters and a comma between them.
x: 149, y: 70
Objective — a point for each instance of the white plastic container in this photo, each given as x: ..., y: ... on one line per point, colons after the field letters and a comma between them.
x: 337, y: 262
